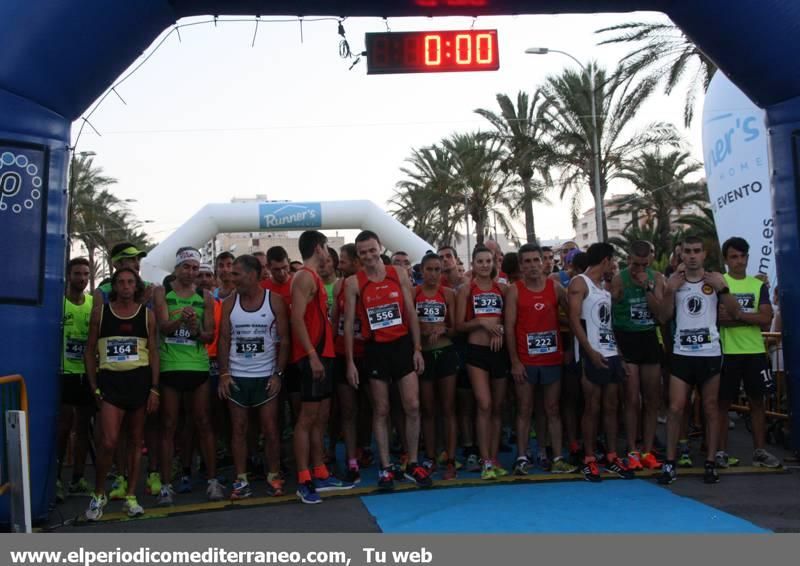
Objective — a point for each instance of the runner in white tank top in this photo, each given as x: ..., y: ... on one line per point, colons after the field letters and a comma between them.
x: 691, y: 296
x: 253, y: 340
x: 590, y: 321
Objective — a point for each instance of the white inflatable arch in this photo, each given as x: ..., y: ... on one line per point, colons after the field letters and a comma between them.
x: 213, y: 219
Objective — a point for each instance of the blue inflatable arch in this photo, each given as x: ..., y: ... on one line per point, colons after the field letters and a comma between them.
x: 57, y: 57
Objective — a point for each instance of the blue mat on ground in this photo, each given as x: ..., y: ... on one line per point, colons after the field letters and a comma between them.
x: 617, y: 506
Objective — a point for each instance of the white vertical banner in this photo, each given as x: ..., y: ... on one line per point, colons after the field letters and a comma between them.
x: 735, y: 150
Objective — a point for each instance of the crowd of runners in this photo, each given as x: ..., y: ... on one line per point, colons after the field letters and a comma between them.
x: 265, y: 364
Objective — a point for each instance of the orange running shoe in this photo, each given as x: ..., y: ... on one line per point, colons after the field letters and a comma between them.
x: 649, y: 461
x: 450, y: 472
x: 634, y: 461
x: 275, y: 484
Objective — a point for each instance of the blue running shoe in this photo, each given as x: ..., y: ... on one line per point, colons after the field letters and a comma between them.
x: 308, y: 494
x: 331, y: 483
x: 185, y: 485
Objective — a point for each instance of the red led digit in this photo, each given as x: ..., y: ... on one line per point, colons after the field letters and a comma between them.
x: 483, y: 53
x: 410, y: 51
x: 380, y: 52
x: 433, y: 50
x: 463, y: 49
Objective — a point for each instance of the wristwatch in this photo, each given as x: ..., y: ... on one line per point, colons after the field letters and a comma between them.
x: 724, y: 291
x: 279, y: 374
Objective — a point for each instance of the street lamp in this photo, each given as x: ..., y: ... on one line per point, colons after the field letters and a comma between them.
x: 599, y: 212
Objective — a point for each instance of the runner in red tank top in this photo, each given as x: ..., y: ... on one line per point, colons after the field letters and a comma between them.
x: 352, y: 402
x: 312, y: 350
x: 536, y: 352
x: 435, y: 305
x: 479, y: 314
x: 383, y: 297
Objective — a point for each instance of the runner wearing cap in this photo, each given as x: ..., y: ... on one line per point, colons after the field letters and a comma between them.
x: 77, y: 401
x: 122, y: 366
x: 186, y: 322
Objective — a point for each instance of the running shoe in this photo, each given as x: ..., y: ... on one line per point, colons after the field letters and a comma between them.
x: 275, y: 484
x: 561, y: 466
x: 307, y: 493
x: 429, y: 465
x: 403, y: 461
x: 488, y: 472
x: 650, y: 462
x: 668, y: 474
x: 543, y: 462
x: 575, y: 459
x: 241, y: 490
x: 214, y: 491
x: 634, y: 462
x: 722, y: 459
x: 152, y: 486
x: 473, y: 463
x: 166, y: 496
x: 132, y: 507
x: 386, y: 479
x: 185, y: 485
x: 59, y: 492
x: 419, y: 475
x: 353, y: 476
x: 617, y: 466
x: 521, y: 466
x: 95, y: 510
x: 591, y: 472
x: 444, y: 457
x: 365, y: 458
x: 331, y: 483
x: 119, y: 489
x: 710, y: 474
x: 764, y: 459
x: 685, y: 461
x: 450, y: 472
x: 80, y: 487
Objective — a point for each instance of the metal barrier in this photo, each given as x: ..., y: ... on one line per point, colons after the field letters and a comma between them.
x: 13, y: 397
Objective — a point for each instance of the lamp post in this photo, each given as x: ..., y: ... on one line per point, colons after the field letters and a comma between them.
x: 466, y: 219
x: 599, y: 211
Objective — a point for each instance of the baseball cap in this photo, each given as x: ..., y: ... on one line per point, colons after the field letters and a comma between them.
x: 125, y: 250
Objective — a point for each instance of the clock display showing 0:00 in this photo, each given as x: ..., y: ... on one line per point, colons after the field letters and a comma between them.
x: 432, y: 51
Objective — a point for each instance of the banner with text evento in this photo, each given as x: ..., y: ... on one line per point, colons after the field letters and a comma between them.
x: 737, y: 170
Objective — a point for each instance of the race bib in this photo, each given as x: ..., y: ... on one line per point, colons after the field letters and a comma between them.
x: 747, y: 301
x: 122, y: 350
x: 487, y: 303
x: 641, y: 315
x: 74, y: 349
x: 182, y: 336
x: 607, y: 340
x: 250, y: 347
x: 384, y: 316
x: 430, y: 311
x: 356, y: 328
x: 542, y: 343
x: 694, y: 339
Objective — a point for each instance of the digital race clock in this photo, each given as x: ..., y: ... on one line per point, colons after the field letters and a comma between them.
x: 431, y: 51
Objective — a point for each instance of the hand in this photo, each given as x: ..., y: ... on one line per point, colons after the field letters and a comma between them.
x: 640, y: 279
x: 676, y: 280
x: 188, y: 314
x: 352, y: 375
x: 98, y: 397
x: 274, y: 385
x: 419, y: 362
x: 716, y: 280
x: 152, y: 402
x: 723, y: 315
x: 224, y: 387
x: 597, y: 359
x: 518, y: 372
x: 496, y: 343
x: 434, y: 334
x: 317, y: 369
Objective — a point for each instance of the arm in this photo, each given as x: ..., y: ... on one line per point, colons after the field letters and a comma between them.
x: 165, y: 325
x: 617, y: 289
x: 462, y: 324
x: 206, y: 335
x: 90, y: 353
x: 279, y: 308
x: 510, y: 321
x: 450, y: 301
x: 655, y: 296
x: 413, y: 321
x: 224, y: 347
x: 155, y: 365
x: 335, y: 314
x: 303, y: 289
x: 350, y: 300
x: 668, y: 301
x: 577, y: 293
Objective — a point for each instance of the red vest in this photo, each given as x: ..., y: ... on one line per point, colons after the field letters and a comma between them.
x: 537, y: 330
x: 431, y: 309
x: 382, y: 307
x: 358, y: 339
x: 484, y: 304
x: 317, y: 323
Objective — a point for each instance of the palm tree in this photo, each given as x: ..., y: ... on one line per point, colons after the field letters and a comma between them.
x: 662, y: 55
x: 478, y: 174
x: 662, y: 192
x: 567, y: 121
x: 518, y: 129
x: 427, y: 198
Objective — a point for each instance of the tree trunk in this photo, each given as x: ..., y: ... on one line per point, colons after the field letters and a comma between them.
x: 480, y: 226
x: 90, y: 253
x: 530, y: 229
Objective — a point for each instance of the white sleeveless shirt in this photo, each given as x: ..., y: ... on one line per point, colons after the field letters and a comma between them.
x: 696, y: 332
x: 253, y: 340
x: 596, y: 316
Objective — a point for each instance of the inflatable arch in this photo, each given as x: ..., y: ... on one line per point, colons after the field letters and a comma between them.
x: 276, y: 216
x: 58, y: 57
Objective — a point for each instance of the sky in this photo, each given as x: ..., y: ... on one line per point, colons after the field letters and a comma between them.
x: 209, y: 117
